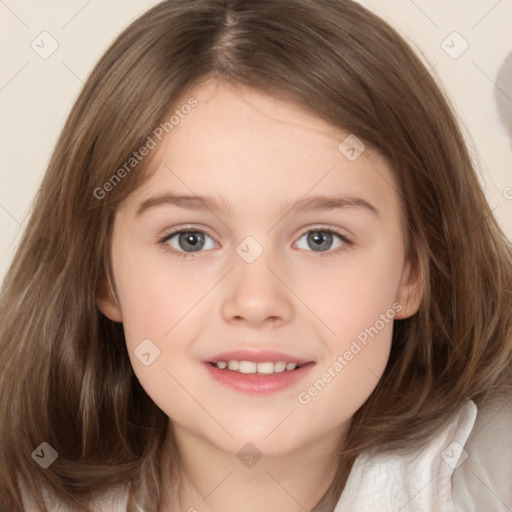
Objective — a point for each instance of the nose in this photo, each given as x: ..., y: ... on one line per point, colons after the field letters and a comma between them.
x: 256, y: 293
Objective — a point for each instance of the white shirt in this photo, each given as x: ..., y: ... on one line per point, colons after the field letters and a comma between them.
x: 466, y: 467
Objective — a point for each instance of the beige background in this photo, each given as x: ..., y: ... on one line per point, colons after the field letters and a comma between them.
x: 37, y: 93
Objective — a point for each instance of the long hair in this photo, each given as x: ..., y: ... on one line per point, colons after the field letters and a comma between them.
x: 65, y: 375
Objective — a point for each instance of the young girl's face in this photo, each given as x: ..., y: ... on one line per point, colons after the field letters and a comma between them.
x: 256, y: 274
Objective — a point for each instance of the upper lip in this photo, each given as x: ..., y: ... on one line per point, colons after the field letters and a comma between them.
x: 259, y: 356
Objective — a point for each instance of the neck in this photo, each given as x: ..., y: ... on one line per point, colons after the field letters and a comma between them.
x: 215, y: 480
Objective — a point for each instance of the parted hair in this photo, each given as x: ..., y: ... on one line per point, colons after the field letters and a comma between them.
x: 65, y: 374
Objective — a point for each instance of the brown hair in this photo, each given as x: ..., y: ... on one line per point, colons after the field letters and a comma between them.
x: 65, y: 374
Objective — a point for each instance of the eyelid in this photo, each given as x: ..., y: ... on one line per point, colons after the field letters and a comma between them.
x: 162, y: 241
x: 347, y: 241
x: 326, y: 227
x: 184, y: 229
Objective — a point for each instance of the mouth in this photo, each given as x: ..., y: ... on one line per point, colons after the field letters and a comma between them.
x: 260, y: 368
x: 257, y: 372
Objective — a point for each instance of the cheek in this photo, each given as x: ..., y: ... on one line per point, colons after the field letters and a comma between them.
x: 344, y: 383
x: 351, y: 296
x: 154, y: 293
x: 157, y: 306
x: 163, y: 313
x: 357, y: 354
x: 358, y: 304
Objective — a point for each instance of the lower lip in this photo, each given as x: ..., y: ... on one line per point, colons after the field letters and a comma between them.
x: 258, y: 384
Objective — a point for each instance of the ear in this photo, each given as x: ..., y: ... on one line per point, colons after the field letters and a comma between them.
x: 410, y: 291
x: 107, y: 303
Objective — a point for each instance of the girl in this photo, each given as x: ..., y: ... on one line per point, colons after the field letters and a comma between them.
x: 259, y: 274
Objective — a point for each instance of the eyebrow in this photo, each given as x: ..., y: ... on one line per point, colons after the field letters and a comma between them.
x: 220, y: 205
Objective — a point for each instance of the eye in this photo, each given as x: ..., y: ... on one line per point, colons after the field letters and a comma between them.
x: 188, y: 240
x: 321, y: 240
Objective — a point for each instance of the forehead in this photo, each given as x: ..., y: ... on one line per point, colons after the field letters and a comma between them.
x: 253, y: 149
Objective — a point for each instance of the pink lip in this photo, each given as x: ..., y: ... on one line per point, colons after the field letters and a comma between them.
x: 258, y: 384
x: 259, y: 356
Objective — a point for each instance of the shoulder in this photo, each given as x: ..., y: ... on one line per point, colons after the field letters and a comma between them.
x: 483, y: 481
x: 418, y: 480
x: 114, y: 500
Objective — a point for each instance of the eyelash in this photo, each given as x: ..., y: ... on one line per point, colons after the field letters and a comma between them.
x: 184, y: 255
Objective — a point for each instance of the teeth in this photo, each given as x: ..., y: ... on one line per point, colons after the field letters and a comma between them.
x: 280, y: 366
x: 265, y: 368
x: 247, y: 367
x: 233, y: 365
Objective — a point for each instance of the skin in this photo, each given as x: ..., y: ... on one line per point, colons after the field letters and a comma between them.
x: 258, y: 152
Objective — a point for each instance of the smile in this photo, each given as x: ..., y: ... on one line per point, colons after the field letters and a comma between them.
x: 263, y: 368
x: 257, y: 378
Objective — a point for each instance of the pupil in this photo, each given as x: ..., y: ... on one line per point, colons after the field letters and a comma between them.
x: 317, y: 237
x: 193, y: 239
